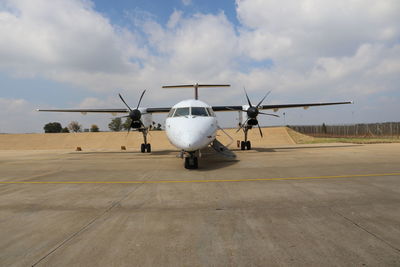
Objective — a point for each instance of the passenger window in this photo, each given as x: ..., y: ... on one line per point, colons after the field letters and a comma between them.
x: 211, y: 112
x: 181, y: 112
x: 171, y: 112
x: 199, y: 111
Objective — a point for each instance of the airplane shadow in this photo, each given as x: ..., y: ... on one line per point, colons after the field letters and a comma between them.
x: 214, y: 162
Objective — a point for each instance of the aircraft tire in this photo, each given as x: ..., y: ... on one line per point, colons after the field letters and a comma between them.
x: 243, y: 145
x: 191, y: 163
x: 187, y: 165
x: 248, y: 145
x: 143, y: 148
x: 148, y: 148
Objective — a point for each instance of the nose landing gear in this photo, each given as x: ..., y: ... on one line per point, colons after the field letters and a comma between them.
x: 191, y: 161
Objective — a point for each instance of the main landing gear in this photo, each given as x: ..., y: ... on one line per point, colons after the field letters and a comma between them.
x: 246, y: 144
x: 191, y: 161
x: 145, y: 147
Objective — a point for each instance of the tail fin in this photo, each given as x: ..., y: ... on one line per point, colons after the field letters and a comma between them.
x: 196, y: 87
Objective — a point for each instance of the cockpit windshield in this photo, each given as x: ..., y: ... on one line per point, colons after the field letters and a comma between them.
x: 194, y: 111
x: 199, y: 111
x: 181, y: 112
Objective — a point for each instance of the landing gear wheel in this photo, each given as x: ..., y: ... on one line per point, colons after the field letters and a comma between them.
x: 242, y: 145
x: 187, y: 163
x: 191, y: 163
x: 195, y: 163
x: 248, y: 145
x: 143, y: 148
x: 148, y: 148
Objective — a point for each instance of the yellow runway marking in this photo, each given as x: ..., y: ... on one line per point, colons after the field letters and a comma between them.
x: 205, y: 181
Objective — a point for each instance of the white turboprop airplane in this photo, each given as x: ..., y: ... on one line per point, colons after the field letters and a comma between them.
x: 191, y: 124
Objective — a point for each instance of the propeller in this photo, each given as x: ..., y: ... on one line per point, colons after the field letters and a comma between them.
x: 253, y: 111
x: 134, y: 114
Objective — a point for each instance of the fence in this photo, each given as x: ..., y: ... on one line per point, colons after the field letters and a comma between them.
x: 387, y: 129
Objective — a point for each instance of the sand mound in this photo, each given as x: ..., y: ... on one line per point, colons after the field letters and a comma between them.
x: 114, y: 140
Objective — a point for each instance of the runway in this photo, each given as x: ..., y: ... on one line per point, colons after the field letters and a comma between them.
x: 333, y: 204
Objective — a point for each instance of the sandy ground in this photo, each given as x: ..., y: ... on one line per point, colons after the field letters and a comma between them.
x: 276, y: 205
x: 132, y: 141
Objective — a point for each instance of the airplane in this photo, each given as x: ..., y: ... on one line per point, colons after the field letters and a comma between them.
x: 191, y: 125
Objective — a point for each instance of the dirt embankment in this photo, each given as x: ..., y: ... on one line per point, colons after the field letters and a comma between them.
x: 114, y: 140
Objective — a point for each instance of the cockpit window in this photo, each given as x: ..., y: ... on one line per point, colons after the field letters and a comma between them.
x: 211, y: 112
x: 199, y: 111
x: 171, y: 112
x: 181, y: 112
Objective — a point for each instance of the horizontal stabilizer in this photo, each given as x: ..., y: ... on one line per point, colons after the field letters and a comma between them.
x: 195, y: 85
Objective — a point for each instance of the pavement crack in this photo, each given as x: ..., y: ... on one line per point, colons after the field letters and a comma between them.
x: 367, y: 231
x: 89, y: 224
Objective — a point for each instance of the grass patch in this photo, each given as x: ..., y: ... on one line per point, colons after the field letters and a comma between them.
x: 318, y: 140
x: 300, y: 138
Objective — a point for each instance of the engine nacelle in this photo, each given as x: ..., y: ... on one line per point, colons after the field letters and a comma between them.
x: 147, y: 119
x: 252, y: 122
x: 136, y: 125
x: 243, y: 115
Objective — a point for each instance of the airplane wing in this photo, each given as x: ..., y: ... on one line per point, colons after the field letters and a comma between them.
x: 110, y: 110
x: 215, y: 108
x: 277, y: 107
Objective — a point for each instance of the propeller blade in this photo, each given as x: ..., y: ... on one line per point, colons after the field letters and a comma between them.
x: 127, y: 116
x: 263, y: 99
x: 259, y: 128
x: 248, y: 99
x: 241, y: 126
x: 140, y: 100
x: 268, y: 114
x: 130, y: 126
x: 120, y: 96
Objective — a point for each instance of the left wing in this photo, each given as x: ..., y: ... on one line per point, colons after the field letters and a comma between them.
x: 277, y: 107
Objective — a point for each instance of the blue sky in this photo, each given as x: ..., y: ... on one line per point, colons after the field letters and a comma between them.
x: 82, y: 53
x: 161, y: 10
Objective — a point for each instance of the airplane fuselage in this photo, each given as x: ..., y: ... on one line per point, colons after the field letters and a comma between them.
x: 191, y: 125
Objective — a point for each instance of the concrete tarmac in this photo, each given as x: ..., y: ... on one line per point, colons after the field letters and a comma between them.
x: 293, y: 205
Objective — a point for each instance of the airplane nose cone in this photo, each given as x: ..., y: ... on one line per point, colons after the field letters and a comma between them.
x: 191, y: 134
x: 192, y: 140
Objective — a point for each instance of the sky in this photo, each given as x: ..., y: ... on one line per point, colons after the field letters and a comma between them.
x: 82, y: 53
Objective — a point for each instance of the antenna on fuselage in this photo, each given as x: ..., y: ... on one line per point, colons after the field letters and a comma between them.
x: 196, y: 87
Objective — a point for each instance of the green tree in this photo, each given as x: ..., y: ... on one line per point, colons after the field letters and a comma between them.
x: 127, y: 124
x: 65, y: 130
x: 115, y: 125
x: 52, y: 127
x: 74, y: 126
x: 94, y: 128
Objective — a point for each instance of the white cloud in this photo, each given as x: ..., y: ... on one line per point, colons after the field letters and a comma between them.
x: 318, y: 49
x: 187, y: 2
x: 42, y: 37
x: 16, y: 116
x: 313, y: 28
